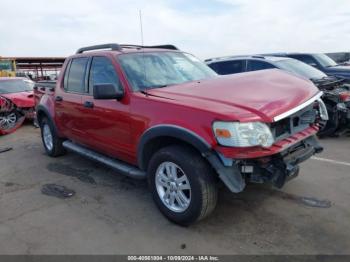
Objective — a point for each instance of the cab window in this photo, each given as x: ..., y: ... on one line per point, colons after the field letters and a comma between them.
x: 75, y: 81
x: 103, y: 72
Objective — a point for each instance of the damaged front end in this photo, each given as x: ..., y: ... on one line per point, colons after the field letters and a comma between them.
x: 11, y: 117
x: 294, y: 142
x: 282, y: 167
x: 275, y: 169
x: 337, y: 99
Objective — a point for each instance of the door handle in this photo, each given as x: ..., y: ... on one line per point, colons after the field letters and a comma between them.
x: 58, y: 98
x: 88, y: 104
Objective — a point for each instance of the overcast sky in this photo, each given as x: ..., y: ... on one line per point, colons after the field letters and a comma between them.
x: 205, y: 28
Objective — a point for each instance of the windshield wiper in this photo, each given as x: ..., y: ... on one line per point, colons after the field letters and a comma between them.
x: 158, y: 86
x: 144, y: 92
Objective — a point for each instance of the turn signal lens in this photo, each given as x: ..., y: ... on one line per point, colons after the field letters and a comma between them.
x: 224, y: 133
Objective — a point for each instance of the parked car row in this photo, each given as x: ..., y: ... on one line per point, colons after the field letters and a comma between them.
x: 322, y: 62
x: 157, y: 113
x: 336, y: 90
x: 334, y: 85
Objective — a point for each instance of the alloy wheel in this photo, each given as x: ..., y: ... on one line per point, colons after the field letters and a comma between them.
x: 47, y: 136
x: 173, y: 187
x: 8, y: 121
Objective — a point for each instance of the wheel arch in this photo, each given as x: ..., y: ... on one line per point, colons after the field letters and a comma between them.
x: 41, y: 113
x: 160, y: 136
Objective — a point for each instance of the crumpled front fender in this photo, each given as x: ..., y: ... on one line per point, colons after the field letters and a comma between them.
x: 6, y: 106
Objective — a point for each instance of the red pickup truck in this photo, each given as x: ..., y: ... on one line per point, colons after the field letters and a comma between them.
x: 158, y: 113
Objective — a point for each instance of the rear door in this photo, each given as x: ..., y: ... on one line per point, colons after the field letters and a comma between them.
x: 68, y: 101
x: 106, y: 122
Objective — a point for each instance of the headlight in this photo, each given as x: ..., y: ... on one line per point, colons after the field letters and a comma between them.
x: 323, y: 110
x: 237, y: 134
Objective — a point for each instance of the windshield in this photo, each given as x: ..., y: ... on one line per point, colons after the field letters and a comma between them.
x: 325, y: 60
x: 160, y: 69
x: 15, y: 86
x: 300, y: 68
x: 6, y: 65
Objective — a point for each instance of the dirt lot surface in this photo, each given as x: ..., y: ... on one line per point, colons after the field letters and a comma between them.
x: 111, y: 214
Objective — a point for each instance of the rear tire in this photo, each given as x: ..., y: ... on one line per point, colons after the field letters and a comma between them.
x: 52, y: 143
x: 183, y: 184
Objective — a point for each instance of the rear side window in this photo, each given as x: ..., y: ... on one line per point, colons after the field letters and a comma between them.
x: 76, y: 76
x: 103, y: 72
x: 228, y: 67
x: 258, y: 65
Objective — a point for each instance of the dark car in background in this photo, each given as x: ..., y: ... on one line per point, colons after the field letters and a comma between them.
x: 322, y: 62
x: 342, y: 58
x: 336, y: 92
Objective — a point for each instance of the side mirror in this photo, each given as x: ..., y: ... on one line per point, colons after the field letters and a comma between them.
x: 107, y: 91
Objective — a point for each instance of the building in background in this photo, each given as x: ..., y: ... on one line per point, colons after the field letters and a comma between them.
x: 35, y: 68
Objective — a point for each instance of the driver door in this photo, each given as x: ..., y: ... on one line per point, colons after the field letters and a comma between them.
x: 107, y: 121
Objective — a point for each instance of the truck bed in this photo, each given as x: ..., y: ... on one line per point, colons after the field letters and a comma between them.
x: 43, y: 87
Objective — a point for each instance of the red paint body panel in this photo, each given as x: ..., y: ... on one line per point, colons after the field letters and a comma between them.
x: 115, y: 127
x: 252, y: 96
x: 22, y: 99
x: 108, y: 127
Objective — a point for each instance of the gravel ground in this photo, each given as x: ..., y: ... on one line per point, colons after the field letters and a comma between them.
x: 112, y: 214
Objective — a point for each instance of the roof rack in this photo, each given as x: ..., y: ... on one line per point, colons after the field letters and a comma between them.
x: 117, y: 47
x: 171, y: 47
x: 114, y: 47
x: 223, y: 58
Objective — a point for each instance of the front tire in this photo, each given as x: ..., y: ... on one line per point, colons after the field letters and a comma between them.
x: 52, y: 143
x: 183, y: 184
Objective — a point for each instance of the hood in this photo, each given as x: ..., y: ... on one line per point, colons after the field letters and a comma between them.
x: 22, y: 99
x: 259, y: 95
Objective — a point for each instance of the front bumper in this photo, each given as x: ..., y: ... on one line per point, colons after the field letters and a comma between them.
x: 257, y: 152
x: 29, y: 113
x: 280, y: 168
x: 276, y: 169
